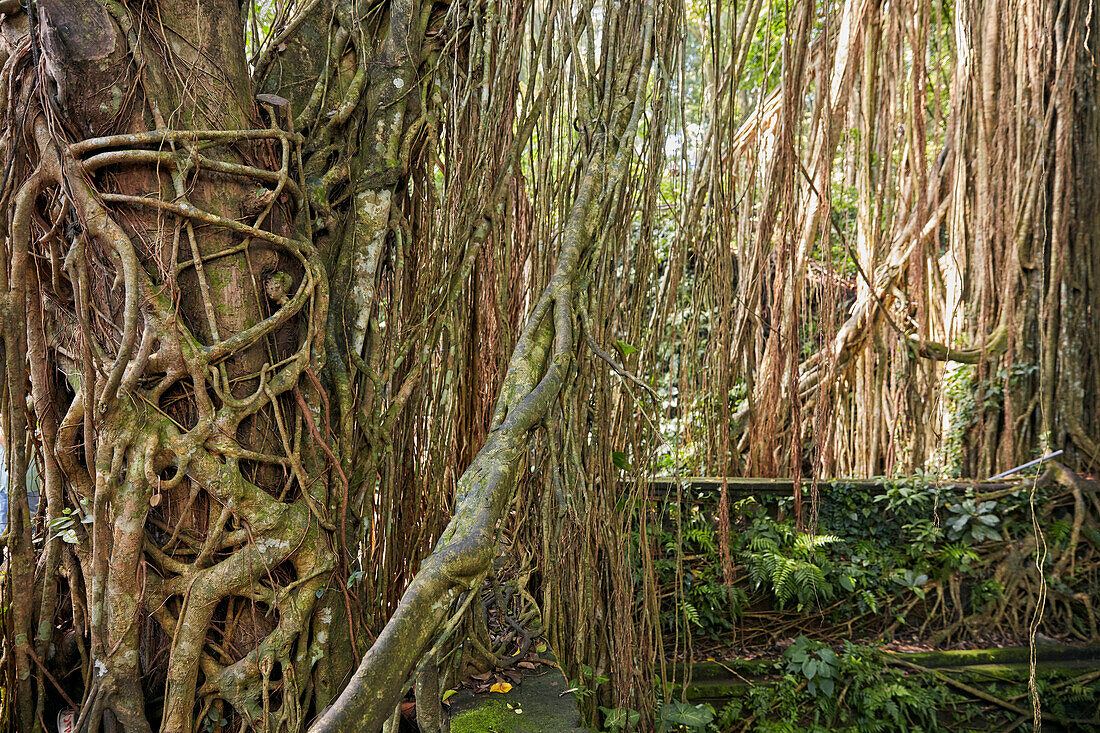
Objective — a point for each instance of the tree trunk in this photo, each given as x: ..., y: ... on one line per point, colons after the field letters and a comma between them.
x: 236, y: 281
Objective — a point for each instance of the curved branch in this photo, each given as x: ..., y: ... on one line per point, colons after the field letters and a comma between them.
x: 532, y: 381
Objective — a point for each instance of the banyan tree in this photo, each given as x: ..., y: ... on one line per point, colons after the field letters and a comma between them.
x: 320, y: 315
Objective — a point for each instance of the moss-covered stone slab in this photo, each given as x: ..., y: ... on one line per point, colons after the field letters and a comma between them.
x: 715, y: 681
x: 538, y: 704
x: 1067, y: 654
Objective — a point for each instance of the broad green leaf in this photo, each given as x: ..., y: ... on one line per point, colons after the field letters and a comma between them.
x: 625, y: 348
x: 617, y: 718
x: 693, y: 716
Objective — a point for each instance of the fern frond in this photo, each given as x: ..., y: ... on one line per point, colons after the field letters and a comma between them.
x: 691, y: 613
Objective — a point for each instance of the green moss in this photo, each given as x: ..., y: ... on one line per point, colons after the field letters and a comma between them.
x: 1010, y: 656
x: 535, y: 706
x: 489, y: 715
x: 713, y: 690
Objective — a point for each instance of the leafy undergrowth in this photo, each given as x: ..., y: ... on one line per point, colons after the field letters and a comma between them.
x: 909, y: 561
x: 859, y: 689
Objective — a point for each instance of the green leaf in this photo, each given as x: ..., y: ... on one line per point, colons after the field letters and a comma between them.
x: 448, y: 694
x: 692, y: 716
x: 625, y: 348
x: 616, y: 718
x: 60, y: 523
x: 620, y: 461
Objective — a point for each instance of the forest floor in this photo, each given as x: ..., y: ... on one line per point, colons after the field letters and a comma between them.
x: 530, y: 699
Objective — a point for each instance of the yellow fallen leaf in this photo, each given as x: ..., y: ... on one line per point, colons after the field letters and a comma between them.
x: 501, y: 687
